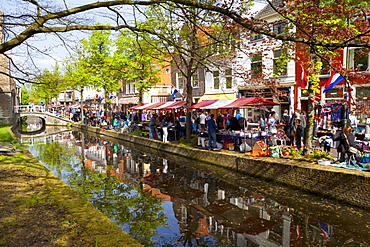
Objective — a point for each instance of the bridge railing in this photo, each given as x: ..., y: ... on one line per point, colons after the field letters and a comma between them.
x: 29, y: 108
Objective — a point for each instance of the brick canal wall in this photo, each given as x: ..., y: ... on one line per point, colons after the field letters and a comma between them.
x: 346, y: 185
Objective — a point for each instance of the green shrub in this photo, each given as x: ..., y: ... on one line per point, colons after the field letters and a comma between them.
x: 5, y: 135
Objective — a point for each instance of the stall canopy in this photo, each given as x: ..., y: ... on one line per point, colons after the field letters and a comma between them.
x: 128, y: 100
x: 140, y: 107
x: 217, y: 96
x: 154, y: 106
x: 249, y: 101
x: 231, y: 103
x: 175, y: 105
x: 163, y: 105
x: 219, y: 104
x: 202, y: 104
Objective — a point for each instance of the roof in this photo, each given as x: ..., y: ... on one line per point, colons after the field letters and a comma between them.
x: 268, y: 9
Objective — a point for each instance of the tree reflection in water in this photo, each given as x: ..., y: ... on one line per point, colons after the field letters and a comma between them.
x: 165, y: 200
x: 123, y: 203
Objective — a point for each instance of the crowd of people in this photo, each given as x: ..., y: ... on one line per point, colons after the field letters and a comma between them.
x: 288, y: 129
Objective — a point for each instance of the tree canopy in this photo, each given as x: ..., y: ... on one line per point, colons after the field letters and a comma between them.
x: 319, y: 24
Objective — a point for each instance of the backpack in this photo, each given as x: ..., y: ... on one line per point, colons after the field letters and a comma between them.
x: 286, y: 120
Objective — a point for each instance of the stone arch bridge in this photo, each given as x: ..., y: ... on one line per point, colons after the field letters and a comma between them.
x: 46, y: 117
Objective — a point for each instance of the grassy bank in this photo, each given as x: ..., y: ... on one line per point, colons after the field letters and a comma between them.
x: 38, y: 209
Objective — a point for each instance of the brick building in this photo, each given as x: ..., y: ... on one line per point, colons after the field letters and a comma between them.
x: 8, y: 90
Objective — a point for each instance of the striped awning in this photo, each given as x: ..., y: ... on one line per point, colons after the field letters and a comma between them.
x: 202, y: 104
x: 128, y: 100
x: 176, y: 105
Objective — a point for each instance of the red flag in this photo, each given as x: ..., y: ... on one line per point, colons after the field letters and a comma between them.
x: 304, y: 79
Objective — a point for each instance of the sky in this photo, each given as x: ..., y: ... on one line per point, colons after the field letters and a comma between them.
x: 50, y: 43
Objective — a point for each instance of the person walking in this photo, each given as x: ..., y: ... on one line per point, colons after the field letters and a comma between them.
x: 262, y: 123
x: 298, y: 127
x: 286, y: 121
x: 272, y: 123
x: 212, y: 129
x: 152, y: 124
x: 202, y: 120
x: 165, y: 129
x: 346, y: 140
x: 234, y: 123
x: 182, y: 122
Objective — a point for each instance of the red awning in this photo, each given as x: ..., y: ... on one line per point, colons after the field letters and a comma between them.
x: 176, y: 105
x: 248, y: 101
x: 134, y: 107
x: 128, y: 100
x: 202, y: 104
x: 155, y: 105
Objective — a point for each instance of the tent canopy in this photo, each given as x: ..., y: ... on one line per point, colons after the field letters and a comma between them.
x: 249, y: 101
x: 231, y: 103
x: 202, y: 104
x: 175, y: 105
x: 219, y: 104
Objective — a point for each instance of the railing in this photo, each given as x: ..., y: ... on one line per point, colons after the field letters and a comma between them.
x: 29, y: 108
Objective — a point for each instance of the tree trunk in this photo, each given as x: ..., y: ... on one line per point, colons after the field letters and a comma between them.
x: 82, y: 115
x: 189, y: 100
x: 309, y: 123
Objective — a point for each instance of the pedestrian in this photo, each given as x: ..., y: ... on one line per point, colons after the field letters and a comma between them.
x: 346, y: 140
x: 286, y: 121
x: 238, y: 114
x: 262, y: 123
x: 220, y: 122
x: 152, y: 124
x: 352, y: 121
x: 212, y: 129
x: 165, y: 128
x: 234, y: 124
x: 202, y: 120
x: 182, y: 122
x: 272, y: 123
x: 298, y: 128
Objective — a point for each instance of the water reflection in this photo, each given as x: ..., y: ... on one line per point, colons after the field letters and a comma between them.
x: 163, y: 200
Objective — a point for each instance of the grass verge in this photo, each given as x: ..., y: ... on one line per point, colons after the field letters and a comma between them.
x: 38, y: 209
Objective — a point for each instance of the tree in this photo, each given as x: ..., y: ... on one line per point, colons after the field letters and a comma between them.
x: 77, y: 76
x: 322, y: 26
x: 36, y: 18
x: 99, y: 59
x: 25, y: 97
x: 49, y: 85
x: 138, y: 60
x: 193, y: 40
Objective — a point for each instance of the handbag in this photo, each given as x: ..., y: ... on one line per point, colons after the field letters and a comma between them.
x: 352, y: 150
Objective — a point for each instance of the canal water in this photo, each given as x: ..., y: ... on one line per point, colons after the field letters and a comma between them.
x: 167, y: 200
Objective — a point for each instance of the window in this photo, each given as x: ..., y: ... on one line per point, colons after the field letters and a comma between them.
x: 229, y: 78
x: 130, y: 88
x: 279, y: 27
x: 180, y: 81
x: 168, y: 71
x: 216, y: 79
x: 195, y: 81
x: 256, y: 65
x: 256, y: 37
x: 358, y: 59
x: 363, y: 95
x: 280, y: 63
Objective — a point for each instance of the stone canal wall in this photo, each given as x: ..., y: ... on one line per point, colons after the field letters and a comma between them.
x: 346, y: 185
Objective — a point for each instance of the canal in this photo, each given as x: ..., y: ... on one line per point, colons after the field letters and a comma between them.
x: 167, y: 200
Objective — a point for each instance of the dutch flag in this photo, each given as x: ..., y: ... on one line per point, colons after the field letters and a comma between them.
x: 333, y: 80
x: 174, y: 91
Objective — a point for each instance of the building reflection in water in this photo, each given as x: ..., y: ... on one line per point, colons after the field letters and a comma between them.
x: 208, y: 211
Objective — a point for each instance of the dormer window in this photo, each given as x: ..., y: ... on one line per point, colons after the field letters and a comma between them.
x: 358, y: 59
